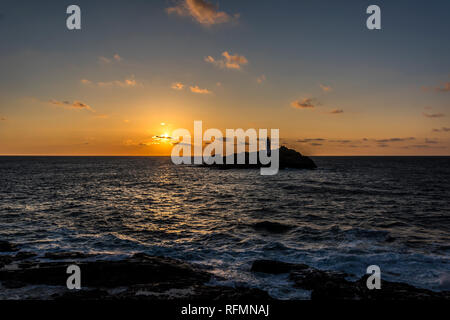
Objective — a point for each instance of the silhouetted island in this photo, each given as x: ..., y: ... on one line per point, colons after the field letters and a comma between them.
x: 289, y: 158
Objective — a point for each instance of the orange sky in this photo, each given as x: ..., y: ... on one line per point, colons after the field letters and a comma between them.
x: 107, y: 89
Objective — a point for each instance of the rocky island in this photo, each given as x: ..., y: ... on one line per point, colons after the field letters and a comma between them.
x: 289, y: 158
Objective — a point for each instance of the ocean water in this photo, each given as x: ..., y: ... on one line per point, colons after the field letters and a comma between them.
x: 350, y: 213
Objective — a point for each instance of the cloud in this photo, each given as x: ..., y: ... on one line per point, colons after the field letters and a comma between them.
x: 395, y: 139
x: 114, y: 58
x: 201, y: 11
x: 77, y: 105
x: 443, y: 129
x: 197, y: 89
x: 325, y: 88
x: 261, y: 79
x: 419, y: 146
x: 86, y: 82
x: 304, y: 103
x: 102, y: 116
x: 104, y: 60
x: 126, y: 83
x: 310, y: 140
x: 2, y: 119
x: 315, y: 144
x: 341, y: 141
x: 431, y: 141
x: 228, y: 61
x: 177, y: 86
x: 433, y: 115
x: 444, y: 88
x: 336, y: 111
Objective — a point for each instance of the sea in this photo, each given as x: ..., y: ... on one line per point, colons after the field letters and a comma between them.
x: 348, y: 214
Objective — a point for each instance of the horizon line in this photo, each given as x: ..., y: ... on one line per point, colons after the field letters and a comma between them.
x: 127, y: 155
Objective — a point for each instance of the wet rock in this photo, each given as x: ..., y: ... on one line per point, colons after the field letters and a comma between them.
x: 6, y: 246
x: 138, y: 277
x: 272, y: 227
x: 155, y: 292
x: 135, y: 270
x: 13, y: 284
x: 311, y: 278
x: 331, y: 285
x: 4, y: 260
x: 347, y: 290
x: 276, y: 267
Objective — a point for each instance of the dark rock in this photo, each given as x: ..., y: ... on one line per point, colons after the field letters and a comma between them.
x: 83, y: 294
x: 311, y: 278
x: 6, y: 246
x: 149, y: 292
x: 331, y: 285
x: 4, y: 260
x: 138, y: 277
x: 288, y: 158
x: 139, y: 269
x: 273, y: 227
x: 13, y: 284
x: 347, y: 290
x: 275, y: 267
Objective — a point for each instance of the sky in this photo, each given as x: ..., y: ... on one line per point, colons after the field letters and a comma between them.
x: 137, y: 70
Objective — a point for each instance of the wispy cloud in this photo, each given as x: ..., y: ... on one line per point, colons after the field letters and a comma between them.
x: 395, y: 139
x: 77, y: 105
x: 2, y: 119
x: 306, y: 140
x: 343, y: 141
x: 261, y: 79
x: 336, y: 111
x: 443, y: 129
x: 177, y: 86
x: 197, y: 89
x: 128, y: 82
x: 433, y: 115
x: 325, y: 88
x: 304, y: 103
x: 114, y: 58
x: 431, y: 141
x: 201, y: 11
x: 228, y: 61
x: 445, y: 88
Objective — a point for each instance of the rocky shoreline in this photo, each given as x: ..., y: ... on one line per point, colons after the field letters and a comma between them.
x: 148, y: 277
